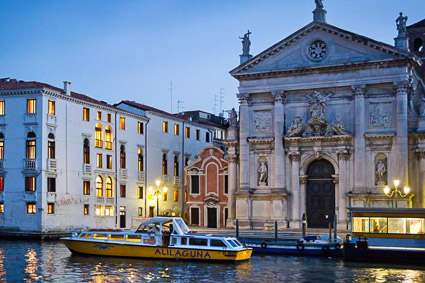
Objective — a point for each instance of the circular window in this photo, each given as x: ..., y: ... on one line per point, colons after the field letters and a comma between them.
x: 317, y: 50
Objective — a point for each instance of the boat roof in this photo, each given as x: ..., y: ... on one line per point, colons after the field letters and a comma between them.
x: 386, y: 210
x: 158, y: 219
x: 178, y: 224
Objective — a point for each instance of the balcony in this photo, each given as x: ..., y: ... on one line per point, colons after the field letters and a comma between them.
x: 51, y: 197
x: 141, y: 176
x: 176, y: 180
x: 123, y: 173
x: 165, y: 178
x: 30, y: 164
x: 100, y: 199
x: 109, y: 200
x: 2, y: 120
x: 1, y: 164
x: 86, y: 169
x: 30, y: 119
x: 51, y: 120
x: 51, y: 164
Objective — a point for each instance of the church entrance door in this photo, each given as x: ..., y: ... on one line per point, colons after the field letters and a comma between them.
x: 320, y: 199
x: 212, y: 217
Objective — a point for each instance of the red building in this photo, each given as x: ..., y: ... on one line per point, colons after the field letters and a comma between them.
x: 207, y: 189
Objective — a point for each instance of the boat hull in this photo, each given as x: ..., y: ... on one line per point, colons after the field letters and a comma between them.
x: 141, y: 251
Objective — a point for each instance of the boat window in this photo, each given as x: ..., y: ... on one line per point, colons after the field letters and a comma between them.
x: 415, y: 225
x: 85, y: 235
x: 198, y: 242
x: 360, y: 224
x: 173, y: 241
x: 150, y: 228
x: 217, y: 243
x: 115, y: 237
x: 134, y: 238
x: 378, y: 225
x: 183, y: 227
x: 183, y: 241
x: 100, y: 236
x: 238, y: 243
x: 233, y: 244
x: 397, y: 225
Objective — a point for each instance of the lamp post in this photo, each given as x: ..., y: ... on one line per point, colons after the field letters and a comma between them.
x: 158, y: 193
x: 395, y: 193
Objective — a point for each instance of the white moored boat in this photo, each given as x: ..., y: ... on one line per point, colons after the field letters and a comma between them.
x: 158, y: 237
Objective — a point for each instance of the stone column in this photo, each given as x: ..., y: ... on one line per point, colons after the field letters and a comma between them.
x: 421, y: 185
x: 295, y: 183
x: 359, y: 139
x: 232, y: 189
x: 243, y: 143
x: 303, y: 194
x: 343, y: 156
x: 279, y: 151
x: 401, y: 146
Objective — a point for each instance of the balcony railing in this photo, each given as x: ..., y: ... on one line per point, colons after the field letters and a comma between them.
x: 2, y: 163
x: 176, y: 180
x: 51, y: 164
x: 123, y: 173
x: 51, y: 120
x: 141, y: 176
x: 100, y: 199
x: 165, y: 178
x: 98, y: 143
x: 30, y: 164
x: 86, y: 169
x: 109, y: 200
x: 30, y: 118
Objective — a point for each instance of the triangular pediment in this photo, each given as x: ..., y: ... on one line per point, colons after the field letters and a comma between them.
x: 320, y: 45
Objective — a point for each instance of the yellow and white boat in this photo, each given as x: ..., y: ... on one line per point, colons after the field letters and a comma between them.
x: 158, y: 237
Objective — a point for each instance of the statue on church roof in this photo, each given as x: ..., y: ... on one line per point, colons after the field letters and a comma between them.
x: 401, y: 25
x: 246, y: 43
x: 319, y: 4
x: 233, y: 119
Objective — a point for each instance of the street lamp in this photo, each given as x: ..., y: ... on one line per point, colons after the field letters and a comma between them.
x: 395, y: 193
x: 158, y: 193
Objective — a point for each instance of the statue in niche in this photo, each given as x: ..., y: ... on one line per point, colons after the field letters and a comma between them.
x: 319, y: 4
x: 246, y: 43
x: 296, y: 129
x: 338, y: 127
x: 233, y: 119
x: 317, y: 106
x: 401, y: 25
x: 380, y: 172
x: 262, y: 174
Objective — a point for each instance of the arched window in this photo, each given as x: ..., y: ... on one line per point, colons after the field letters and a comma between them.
x: 99, y: 186
x: 140, y: 160
x: 51, y: 146
x: 109, y: 187
x: 98, y: 136
x: 108, y: 137
x: 417, y: 44
x: 30, y: 145
x: 176, y: 166
x: 1, y: 146
x: 164, y: 164
x: 122, y: 156
x: 86, y: 151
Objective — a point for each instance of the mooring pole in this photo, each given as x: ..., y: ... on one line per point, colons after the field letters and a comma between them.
x: 275, y: 230
x: 330, y: 232
x: 335, y: 227
x: 304, y: 225
x: 237, y: 228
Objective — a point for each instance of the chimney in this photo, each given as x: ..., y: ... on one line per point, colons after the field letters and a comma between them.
x: 67, y: 87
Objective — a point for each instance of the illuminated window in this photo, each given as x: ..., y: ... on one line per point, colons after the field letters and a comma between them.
x: 86, y: 188
x: 109, y: 187
x: 188, y: 132
x: 98, y: 136
x: 86, y: 114
x: 140, y: 129
x: 176, y: 166
x: 122, y: 190
x: 109, y: 210
x: 86, y: 210
x: 361, y: 224
x: 52, y: 108
x: 1, y: 184
x: 165, y: 127
x: 108, y: 117
x: 108, y: 161
x: 99, y: 115
x: 108, y: 138
x: 30, y: 184
x: 164, y: 196
x: 140, y: 211
x: 140, y: 160
x: 31, y: 208
x: 2, y: 109
x: 415, y: 225
x: 1, y: 207
x: 51, y: 146
x: 99, y: 186
x: 176, y: 196
x: 378, y: 225
x: 1, y: 146
x: 86, y: 151
x: 50, y: 208
x: 98, y: 210
x: 51, y: 185
x: 30, y: 150
x: 122, y: 157
x: 207, y: 136
x: 140, y: 192
x: 99, y: 160
x: 122, y: 123
x: 197, y: 134
x: 164, y: 164
x: 397, y: 225
x: 176, y: 129
x: 31, y: 106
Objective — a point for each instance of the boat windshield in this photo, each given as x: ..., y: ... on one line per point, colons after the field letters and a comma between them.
x: 150, y: 228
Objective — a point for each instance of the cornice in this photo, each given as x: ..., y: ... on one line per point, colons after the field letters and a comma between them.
x: 260, y: 140
x: 319, y: 138
x: 380, y: 136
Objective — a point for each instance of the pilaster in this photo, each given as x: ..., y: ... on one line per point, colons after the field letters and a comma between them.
x: 279, y: 156
x: 243, y: 144
x: 359, y: 92
x: 401, y: 146
x: 294, y: 156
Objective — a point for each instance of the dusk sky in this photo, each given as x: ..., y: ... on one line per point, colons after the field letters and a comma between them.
x: 114, y: 50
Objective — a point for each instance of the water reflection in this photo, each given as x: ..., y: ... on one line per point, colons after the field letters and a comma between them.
x: 51, y: 261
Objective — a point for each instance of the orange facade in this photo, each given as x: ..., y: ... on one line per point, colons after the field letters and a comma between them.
x: 207, y: 188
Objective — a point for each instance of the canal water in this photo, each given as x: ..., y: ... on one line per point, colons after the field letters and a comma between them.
x: 33, y: 261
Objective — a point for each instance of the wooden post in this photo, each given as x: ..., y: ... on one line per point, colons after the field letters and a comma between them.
x: 237, y: 228
x: 275, y: 230
x: 304, y: 225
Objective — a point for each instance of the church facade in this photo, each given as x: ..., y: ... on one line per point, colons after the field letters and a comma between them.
x: 327, y: 119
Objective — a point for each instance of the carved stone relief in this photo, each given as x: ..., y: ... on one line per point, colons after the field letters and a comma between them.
x: 381, y: 169
x: 297, y: 128
x: 380, y: 116
x: 262, y: 121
